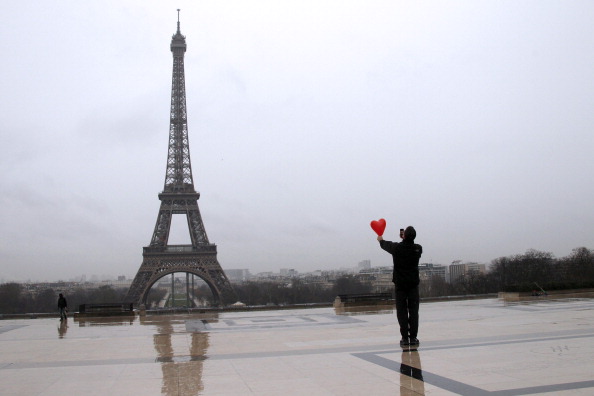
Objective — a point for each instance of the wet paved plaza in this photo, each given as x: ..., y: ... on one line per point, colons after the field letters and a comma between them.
x: 474, y: 347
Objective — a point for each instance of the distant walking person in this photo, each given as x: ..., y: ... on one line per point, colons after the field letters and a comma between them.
x: 62, y: 306
x: 406, y: 255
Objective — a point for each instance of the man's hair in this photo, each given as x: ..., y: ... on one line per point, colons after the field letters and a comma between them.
x: 410, y: 233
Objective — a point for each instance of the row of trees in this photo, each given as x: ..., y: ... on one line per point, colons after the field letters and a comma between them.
x: 297, y: 292
x: 15, y: 299
x: 521, y: 272
x: 526, y: 272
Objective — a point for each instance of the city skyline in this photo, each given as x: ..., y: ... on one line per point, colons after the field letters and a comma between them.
x: 307, y: 120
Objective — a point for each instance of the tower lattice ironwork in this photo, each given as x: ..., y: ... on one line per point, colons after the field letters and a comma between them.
x: 179, y: 197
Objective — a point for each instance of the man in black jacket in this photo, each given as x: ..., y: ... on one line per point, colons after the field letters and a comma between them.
x: 62, y: 306
x: 406, y: 255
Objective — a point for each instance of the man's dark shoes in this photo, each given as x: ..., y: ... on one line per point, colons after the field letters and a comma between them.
x: 414, y: 342
x: 404, y: 343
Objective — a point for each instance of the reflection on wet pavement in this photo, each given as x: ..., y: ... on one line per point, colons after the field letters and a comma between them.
x: 411, y: 374
x: 182, y: 369
x: 362, y: 310
x: 62, y: 328
x: 469, y: 348
x: 105, y: 321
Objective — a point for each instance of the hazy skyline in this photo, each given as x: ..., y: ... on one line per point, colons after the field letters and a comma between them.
x: 471, y: 121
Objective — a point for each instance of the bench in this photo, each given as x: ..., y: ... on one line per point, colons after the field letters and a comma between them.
x: 106, y: 309
x: 350, y: 300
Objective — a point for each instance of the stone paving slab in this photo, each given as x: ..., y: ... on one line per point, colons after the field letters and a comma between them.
x: 475, y: 347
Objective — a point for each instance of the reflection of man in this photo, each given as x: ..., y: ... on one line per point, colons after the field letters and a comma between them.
x: 62, y: 329
x: 406, y: 255
x: 411, y: 374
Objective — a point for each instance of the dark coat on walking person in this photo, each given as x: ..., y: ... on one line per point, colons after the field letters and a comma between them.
x: 62, y: 302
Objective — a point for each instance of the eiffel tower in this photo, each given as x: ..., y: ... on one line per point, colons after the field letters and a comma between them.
x: 179, y: 197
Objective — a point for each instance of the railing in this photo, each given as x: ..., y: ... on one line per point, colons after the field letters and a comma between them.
x: 180, y: 249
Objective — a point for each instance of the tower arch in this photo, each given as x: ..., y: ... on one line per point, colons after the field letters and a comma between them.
x: 216, y: 293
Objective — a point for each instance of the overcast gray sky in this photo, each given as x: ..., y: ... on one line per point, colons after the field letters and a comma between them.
x: 471, y: 120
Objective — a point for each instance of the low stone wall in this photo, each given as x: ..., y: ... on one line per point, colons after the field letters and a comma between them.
x: 552, y: 295
x: 459, y: 298
x: 358, y: 300
x: 104, y: 309
x: 29, y: 316
x: 247, y: 308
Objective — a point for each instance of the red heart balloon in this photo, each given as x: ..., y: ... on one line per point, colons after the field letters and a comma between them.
x: 379, y: 226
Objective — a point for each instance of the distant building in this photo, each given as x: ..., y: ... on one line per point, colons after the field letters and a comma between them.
x: 288, y: 272
x: 238, y: 275
x: 428, y: 271
x: 121, y: 283
x: 365, y: 264
x: 268, y: 275
x: 380, y: 278
x: 458, y: 271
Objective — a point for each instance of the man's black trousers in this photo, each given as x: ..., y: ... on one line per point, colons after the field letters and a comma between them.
x: 407, y: 311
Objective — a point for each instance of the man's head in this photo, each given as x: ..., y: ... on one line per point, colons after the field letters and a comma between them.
x: 410, y: 234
